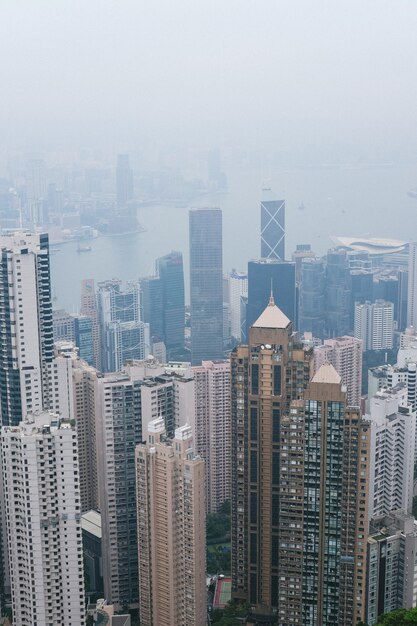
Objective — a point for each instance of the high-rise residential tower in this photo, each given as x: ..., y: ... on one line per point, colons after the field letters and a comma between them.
x: 345, y: 354
x: 171, y: 274
x: 26, y: 332
x: 267, y: 376
x: 213, y: 439
x: 272, y: 227
x: 374, y: 325
x: 338, y: 293
x: 206, y: 285
x: 238, y: 288
x: 171, y: 529
x: 40, y: 460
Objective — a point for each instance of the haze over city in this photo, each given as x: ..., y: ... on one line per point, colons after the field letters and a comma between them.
x: 208, y: 313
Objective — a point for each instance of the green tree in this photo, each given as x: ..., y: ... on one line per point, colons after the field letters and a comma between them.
x: 231, y: 615
x: 400, y: 617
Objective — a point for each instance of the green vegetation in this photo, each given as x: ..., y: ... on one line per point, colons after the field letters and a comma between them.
x: 218, y: 540
x: 232, y: 615
x: 401, y: 617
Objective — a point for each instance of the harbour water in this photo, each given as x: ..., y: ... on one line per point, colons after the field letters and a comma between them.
x: 334, y: 200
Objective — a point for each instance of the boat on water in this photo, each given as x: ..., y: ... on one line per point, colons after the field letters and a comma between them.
x: 83, y: 248
x: 412, y: 193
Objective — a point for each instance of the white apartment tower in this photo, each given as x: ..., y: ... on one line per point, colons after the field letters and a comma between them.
x: 213, y: 428
x: 171, y: 529
x: 345, y: 354
x: 26, y: 330
x: 374, y: 324
x: 412, y: 285
x: 238, y: 287
x: 43, y: 521
x: 393, y: 441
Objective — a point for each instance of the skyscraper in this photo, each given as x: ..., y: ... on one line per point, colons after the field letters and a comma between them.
x: 267, y: 375
x: 338, y: 293
x: 374, y: 325
x: 171, y: 529
x: 412, y: 285
x: 312, y: 297
x: 206, y: 285
x: 334, y: 505
x: 264, y: 275
x: 171, y: 274
x: 124, y: 180
x: 26, y: 332
x: 89, y: 309
x: 213, y: 440
x: 299, y: 484
x: 40, y: 460
x: 152, y: 306
x: 238, y: 287
x: 272, y: 227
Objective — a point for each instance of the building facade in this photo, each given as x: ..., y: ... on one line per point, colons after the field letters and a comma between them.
x: 43, y: 521
x: 272, y: 227
x: 412, y: 285
x: 171, y: 529
x: 26, y: 330
x: 374, y: 325
x: 345, y: 354
x: 171, y: 273
x: 206, y: 285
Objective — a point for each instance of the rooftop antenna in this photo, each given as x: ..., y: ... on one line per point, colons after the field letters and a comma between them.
x: 271, y: 297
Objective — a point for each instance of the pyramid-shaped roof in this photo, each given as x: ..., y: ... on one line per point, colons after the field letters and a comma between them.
x: 272, y: 317
x: 326, y: 374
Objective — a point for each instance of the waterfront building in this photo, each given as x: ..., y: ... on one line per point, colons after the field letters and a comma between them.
x: 124, y: 180
x: 345, y: 354
x: 272, y: 227
x: 77, y: 329
x: 412, y: 285
x: 338, y: 293
x: 152, y: 306
x: 312, y: 297
x: 26, y: 330
x: 43, y: 521
x: 392, y: 568
x: 171, y: 274
x: 374, y: 325
x: 266, y: 275
x: 171, y: 529
x: 206, y: 286
x: 392, y: 430
x: 89, y: 309
x: 213, y: 429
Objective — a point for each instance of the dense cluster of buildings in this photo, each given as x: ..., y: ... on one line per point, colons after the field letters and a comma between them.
x: 120, y: 432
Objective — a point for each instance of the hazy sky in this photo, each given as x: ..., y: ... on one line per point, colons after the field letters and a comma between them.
x: 304, y: 76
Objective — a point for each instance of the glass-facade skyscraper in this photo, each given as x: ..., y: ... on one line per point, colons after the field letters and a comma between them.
x: 206, y: 285
x: 272, y: 227
x: 171, y: 274
x: 267, y: 274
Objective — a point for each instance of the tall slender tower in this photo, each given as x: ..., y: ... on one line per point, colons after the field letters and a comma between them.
x: 206, y: 285
x: 171, y: 273
x: 124, y: 180
x: 89, y: 309
x: 26, y: 329
x: 171, y: 529
x: 40, y: 460
x: 300, y: 477
x: 267, y: 376
x: 412, y: 285
x: 272, y: 227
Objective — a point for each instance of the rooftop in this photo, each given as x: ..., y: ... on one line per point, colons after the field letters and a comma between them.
x: 272, y: 317
x: 327, y: 374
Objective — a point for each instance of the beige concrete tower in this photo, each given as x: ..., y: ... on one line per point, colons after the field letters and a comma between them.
x: 268, y: 375
x: 171, y: 529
